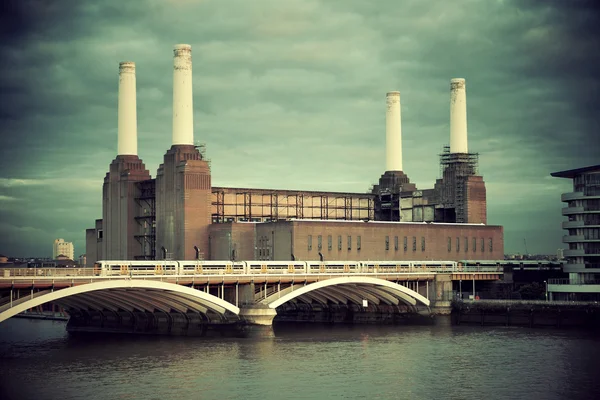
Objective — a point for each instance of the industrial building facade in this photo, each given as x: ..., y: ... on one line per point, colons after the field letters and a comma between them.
x: 354, y: 240
x: 180, y: 215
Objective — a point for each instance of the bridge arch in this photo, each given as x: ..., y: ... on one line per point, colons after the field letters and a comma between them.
x: 357, y: 287
x: 127, y: 294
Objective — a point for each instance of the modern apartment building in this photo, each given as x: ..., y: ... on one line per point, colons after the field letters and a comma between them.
x: 583, y: 236
x: 64, y: 248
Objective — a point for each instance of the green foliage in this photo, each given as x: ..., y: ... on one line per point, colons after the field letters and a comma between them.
x: 533, y: 291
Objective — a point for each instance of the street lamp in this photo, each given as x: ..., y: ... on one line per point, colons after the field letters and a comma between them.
x: 460, y: 288
x: 546, y: 283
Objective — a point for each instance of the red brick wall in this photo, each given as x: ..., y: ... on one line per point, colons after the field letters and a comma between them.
x: 373, y: 241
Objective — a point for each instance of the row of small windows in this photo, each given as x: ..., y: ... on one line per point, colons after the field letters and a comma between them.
x: 414, y: 243
x: 482, y: 246
x: 264, y: 248
x: 474, y: 244
x: 330, y: 242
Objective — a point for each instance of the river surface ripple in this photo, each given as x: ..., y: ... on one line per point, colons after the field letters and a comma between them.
x: 39, y: 360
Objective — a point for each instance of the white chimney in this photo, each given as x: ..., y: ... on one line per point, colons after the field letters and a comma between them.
x: 127, y: 115
x: 458, y: 116
x: 183, y: 110
x: 393, y: 133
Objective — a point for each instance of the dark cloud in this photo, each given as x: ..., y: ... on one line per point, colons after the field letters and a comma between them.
x: 294, y: 91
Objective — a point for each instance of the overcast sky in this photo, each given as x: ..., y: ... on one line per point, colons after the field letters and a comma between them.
x: 291, y: 95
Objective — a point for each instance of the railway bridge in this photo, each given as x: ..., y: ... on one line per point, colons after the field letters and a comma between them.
x: 201, y: 302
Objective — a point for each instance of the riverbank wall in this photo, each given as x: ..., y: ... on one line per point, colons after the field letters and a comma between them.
x: 526, y: 313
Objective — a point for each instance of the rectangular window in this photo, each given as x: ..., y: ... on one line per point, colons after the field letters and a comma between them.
x: 340, y: 242
x: 358, y: 243
x: 309, y: 242
x: 387, y: 242
x: 482, y: 245
x: 466, y: 244
x: 474, y: 245
x: 329, y: 243
x: 396, y: 243
x: 405, y: 243
x: 349, y: 242
x: 422, y: 243
x: 319, y: 242
x: 449, y: 244
x: 457, y: 244
x: 490, y: 243
x: 414, y: 243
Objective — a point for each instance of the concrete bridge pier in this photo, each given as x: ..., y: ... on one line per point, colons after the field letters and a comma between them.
x: 256, y: 321
x: 441, y: 303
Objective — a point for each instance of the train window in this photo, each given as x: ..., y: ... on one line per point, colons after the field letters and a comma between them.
x: 414, y: 243
x: 396, y: 243
x: 449, y: 244
x: 319, y: 242
x: 474, y: 245
x: 329, y: 242
x: 349, y: 242
x: 358, y: 243
x: 340, y: 242
x: 490, y: 243
x: 405, y: 243
x: 309, y: 242
x: 482, y: 245
x: 387, y: 242
x: 466, y: 244
x: 422, y: 243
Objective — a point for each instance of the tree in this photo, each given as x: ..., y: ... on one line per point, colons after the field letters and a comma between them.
x: 533, y: 291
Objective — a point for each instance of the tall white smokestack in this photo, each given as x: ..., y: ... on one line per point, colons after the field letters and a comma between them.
x: 393, y: 133
x: 183, y: 113
x: 458, y: 116
x: 127, y: 117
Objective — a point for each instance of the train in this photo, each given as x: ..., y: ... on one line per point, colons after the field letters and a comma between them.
x: 201, y: 267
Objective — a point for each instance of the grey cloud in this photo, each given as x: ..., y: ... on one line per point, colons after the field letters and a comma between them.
x: 295, y: 91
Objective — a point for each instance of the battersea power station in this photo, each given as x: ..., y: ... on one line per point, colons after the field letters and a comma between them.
x: 180, y: 215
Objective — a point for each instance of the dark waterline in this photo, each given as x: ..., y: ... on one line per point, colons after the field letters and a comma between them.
x: 41, y: 361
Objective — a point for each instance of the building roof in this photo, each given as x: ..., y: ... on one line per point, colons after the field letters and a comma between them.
x: 571, y: 173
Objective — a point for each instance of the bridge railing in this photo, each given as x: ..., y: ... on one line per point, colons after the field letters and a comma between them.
x: 45, y: 272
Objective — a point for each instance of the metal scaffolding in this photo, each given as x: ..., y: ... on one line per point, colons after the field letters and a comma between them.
x: 146, y: 219
x: 260, y: 205
x: 455, y: 169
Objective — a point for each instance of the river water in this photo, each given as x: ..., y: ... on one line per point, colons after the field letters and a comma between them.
x: 39, y: 360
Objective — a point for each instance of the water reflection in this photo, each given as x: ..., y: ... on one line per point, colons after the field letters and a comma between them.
x: 302, y: 361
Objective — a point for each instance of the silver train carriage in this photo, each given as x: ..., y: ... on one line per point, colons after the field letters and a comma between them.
x: 201, y: 267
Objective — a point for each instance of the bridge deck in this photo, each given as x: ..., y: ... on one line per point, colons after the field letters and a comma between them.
x: 22, y: 280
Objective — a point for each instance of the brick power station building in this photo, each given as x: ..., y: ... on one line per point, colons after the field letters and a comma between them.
x: 179, y: 214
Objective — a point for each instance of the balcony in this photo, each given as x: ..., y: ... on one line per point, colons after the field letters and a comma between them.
x: 571, y: 196
x: 567, y: 281
x: 573, y: 238
x: 572, y: 224
x: 573, y: 268
x: 572, y: 210
x: 574, y: 253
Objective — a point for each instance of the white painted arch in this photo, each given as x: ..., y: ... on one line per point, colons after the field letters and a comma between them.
x: 401, y: 291
x: 199, y: 296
